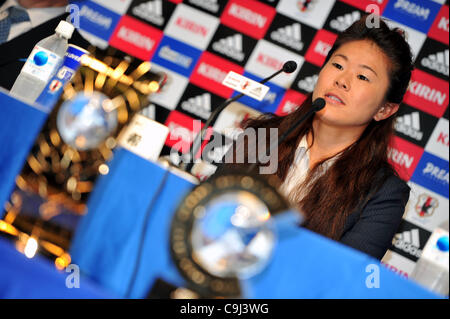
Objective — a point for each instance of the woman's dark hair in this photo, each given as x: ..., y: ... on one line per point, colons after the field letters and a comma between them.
x: 330, y: 198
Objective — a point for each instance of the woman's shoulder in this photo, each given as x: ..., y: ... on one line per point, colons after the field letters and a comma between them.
x: 391, y: 182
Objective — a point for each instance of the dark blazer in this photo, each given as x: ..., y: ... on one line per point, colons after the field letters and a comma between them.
x: 13, y: 53
x: 371, y: 227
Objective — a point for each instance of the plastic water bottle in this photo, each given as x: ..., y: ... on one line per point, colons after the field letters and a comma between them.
x: 431, y: 269
x: 42, y: 63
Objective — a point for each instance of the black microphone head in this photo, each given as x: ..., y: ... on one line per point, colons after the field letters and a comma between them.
x: 289, y: 67
x: 318, y: 104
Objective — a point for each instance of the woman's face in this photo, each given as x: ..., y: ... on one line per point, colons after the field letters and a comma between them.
x: 353, y: 83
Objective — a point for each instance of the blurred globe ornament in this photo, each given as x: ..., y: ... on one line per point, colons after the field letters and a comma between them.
x: 87, y: 120
x: 225, y: 231
x: 235, y: 237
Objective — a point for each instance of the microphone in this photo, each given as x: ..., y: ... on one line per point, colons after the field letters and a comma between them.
x: 317, y: 105
x: 288, y: 67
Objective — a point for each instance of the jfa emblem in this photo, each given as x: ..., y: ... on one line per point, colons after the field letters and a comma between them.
x: 55, y: 85
x: 426, y: 205
x: 304, y: 5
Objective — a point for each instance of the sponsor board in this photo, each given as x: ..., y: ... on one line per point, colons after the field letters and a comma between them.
x: 171, y: 92
x: 176, y: 56
x: 210, y: 72
x: 272, y: 3
x: 439, y: 140
x: 290, y: 102
x: 312, y: 13
x: 248, y: 16
x: 182, y: 131
x: 92, y: 39
x: 198, y: 103
x: 232, y: 45
x: 155, y: 112
x: 367, y: 5
x: 214, y: 7
x: 341, y: 17
x: 440, y: 28
x: 154, y: 12
x: 414, y: 125
x: 136, y: 38
x: 414, y: 38
x: 231, y: 117
x: 320, y: 46
x: 271, y: 99
x: 417, y: 14
x: 433, y: 58
x: 192, y: 26
x: 307, y: 78
x: 432, y: 173
x: 268, y: 58
x: 398, y: 264
x: 290, y: 34
x: 404, y: 157
x: 97, y: 20
x: 118, y: 6
x: 426, y: 208
x: 409, y: 240
x: 427, y: 93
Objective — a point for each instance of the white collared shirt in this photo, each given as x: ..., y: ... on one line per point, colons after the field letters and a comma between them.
x: 37, y: 17
x: 299, y: 170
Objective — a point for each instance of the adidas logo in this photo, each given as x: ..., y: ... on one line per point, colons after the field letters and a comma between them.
x: 343, y: 22
x: 230, y: 46
x: 409, y: 124
x: 437, y: 62
x: 289, y: 35
x: 409, y: 242
x: 210, y: 5
x: 199, y: 105
x: 308, y: 83
x: 150, y: 11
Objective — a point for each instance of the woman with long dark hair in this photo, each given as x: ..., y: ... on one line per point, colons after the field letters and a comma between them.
x: 334, y: 167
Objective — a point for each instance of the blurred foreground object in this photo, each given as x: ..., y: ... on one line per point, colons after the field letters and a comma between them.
x: 81, y: 131
x: 431, y: 269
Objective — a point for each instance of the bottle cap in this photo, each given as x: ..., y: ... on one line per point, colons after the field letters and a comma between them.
x: 65, y: 29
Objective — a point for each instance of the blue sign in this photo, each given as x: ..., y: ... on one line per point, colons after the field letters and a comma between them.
x: 432, y: 173
x: 270, y: 101
x: 176, y: 56
x: 416, y: 14
x: 97, y: 20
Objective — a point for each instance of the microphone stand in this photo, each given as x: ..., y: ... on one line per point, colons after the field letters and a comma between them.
x: 195, y: 146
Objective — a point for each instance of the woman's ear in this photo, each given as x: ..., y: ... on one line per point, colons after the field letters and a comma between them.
x: 386, y: 110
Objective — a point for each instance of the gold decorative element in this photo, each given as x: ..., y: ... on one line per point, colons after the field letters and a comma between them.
x: 64, y: 175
